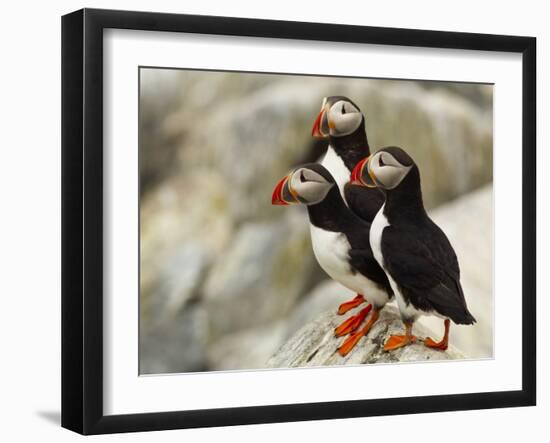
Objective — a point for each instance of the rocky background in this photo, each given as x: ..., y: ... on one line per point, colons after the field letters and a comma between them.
x: 227, y: 279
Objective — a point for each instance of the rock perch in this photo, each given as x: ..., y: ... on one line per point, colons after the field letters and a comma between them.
x: 316, y: 345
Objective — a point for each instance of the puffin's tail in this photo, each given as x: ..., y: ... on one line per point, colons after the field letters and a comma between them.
x: 458, y: 313
x: 467, y: 319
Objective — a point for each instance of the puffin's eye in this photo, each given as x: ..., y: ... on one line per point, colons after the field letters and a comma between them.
x: 302, y: 177
x: 381, y: 162
x: 343, y: 109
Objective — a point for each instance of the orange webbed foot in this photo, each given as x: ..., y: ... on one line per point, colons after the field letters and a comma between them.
x: 347, y: 306
x: 350, y: 343
x: 444, y: 343
x: 398, y: 341
x: 352, y: 323
x: 441, y: 345
x: 353, y: 339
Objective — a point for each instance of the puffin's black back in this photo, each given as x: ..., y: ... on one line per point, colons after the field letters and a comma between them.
x: 419, y: 256
x: 424, y: 265
x: 365, y: 202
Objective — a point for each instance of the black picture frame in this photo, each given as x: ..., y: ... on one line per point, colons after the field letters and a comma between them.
x: 82, y: 220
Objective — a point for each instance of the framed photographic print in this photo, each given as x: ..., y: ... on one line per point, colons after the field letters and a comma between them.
x: 263, y: 219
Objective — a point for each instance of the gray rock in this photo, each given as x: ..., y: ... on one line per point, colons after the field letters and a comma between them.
x: 264, y: 132
x: 178, y: 281
x: 260, y: 275
x: 316, y: 345
x: 248, y: 349
x: 180, y: 234
x: 177, y: 345
x: 251, y: 348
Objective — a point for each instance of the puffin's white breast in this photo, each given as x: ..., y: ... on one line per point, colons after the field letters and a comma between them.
x: 331, y: 250
x: 377, y: 227
x: 335, y: 165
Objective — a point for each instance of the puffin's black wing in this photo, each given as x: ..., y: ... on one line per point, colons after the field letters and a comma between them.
x: 364, y: 202
x: 426, y: 269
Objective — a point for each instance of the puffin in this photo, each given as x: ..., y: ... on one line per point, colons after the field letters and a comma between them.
x: 341, y: 122
x: 346, y: 235
x: 415, y: 254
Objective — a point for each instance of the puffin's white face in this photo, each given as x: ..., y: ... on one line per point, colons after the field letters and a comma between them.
x: 343, y: 118
x: 338, y: 117
x: 304, y: 185
x: 382, y: 169
x: 309, y: 186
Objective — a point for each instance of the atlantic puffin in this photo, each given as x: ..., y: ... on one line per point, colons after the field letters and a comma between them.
x: 345, y: 235
x: 341, y: 122
x: 416, y: 255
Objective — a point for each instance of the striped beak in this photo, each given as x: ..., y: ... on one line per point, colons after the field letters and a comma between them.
x: 321, y: 126
x: 282, y: 196
x: 362, y: 174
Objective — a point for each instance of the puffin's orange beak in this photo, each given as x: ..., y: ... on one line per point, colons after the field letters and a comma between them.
x: 355, y: 177
x: 316, y: 129
x: 321, y: 125
x: 277, y: 197
x: 359, y: 178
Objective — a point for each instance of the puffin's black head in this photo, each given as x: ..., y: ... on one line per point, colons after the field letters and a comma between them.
x: 308, y: 184
x: 338, y: 117
x: 385, y: 169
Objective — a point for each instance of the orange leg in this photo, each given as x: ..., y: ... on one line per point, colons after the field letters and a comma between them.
x: 352, y: 340
x: 352, y: 323
x: 398, y: 341
x: 345, y: 307
x: 444, y: 343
